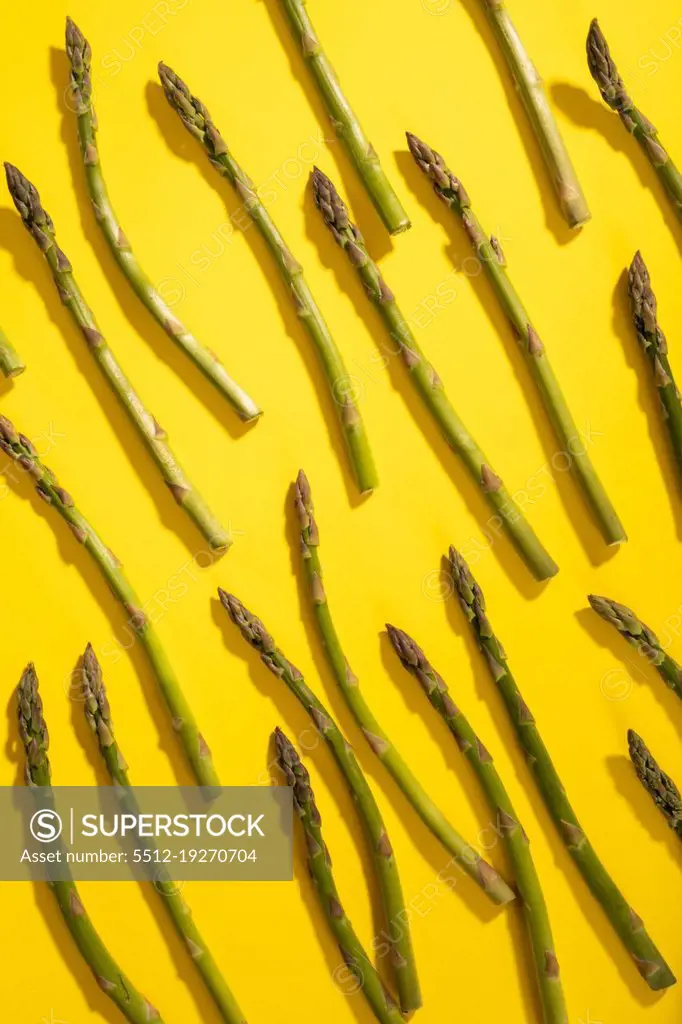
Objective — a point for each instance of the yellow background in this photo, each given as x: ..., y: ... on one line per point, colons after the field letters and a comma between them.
x: 431, y: 67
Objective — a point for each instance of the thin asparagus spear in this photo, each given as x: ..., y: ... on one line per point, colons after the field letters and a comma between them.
x: 98, y: 716
x: 79, y: 53
x: 11, y: 363
x: 658, y: 785
x: 529, y: 86
x: 197, y: 120
x: 452, y: 192
x: 344, y: 120
x: 432, y: 816
x: 320, y: 865
x: 627, y: 924
x: 108, y: 975
x: 507, y: 825
x: 655, y: 347
x: 643, y: 639
x: 39, y: 224
x: 397, y: 925
x: 427, y: 382
x: 20, y: 450
x: 612, y: 88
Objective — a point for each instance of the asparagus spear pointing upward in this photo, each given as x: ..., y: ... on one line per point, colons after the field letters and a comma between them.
x: 658, y: 785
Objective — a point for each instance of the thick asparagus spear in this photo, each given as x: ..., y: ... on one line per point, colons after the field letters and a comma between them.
x: 643, y: 639
x: 506, y: 823
x: 452, y: 192
x: 431, y: 815
x: 427, y: 382
x: 20, y: 450
x: 11, y: 363
x: 108, y: 975
x: 254, y: 632
x: 320, y: 865
x: 79, y: 53
x: 39, y: 224
x: 612, y: 88
x: 344, y: 120
x: 658, y: 785
x: 98, y: 716
x: 529, y: 85
x: 627, y: 924
x: 655, y: 347
x: 197, y: 120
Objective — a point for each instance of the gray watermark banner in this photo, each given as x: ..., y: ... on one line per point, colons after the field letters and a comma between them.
x: 107, y: 833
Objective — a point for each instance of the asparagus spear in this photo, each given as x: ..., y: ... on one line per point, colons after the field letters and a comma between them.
x: 108, y: 975
x: 98, y: 716
x: 254, y: 632
x: 427, y: 382
x: 658, y: 785
x: 643, y: 639
x: 39, y: 224
x: 432, y: 816
x: 20, y: 450
x: 344, y: 120
x: 529, y: 85
x: 452, y: 192
x: 79, y: 53
x: 627, y: 924
x: 612, y: 88
x: 655, y: 347
x: 11, y: 363
x: 197, y: 120
x: 320, y: 865
x: 507, y: 825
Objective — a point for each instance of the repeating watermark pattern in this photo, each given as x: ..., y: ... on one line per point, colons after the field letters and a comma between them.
x: 588, y: 1019
x: 618, y: 683
x: 151, y: 25
x: 52, y: 1019
x: 438, y: 7
x: 669, y: 43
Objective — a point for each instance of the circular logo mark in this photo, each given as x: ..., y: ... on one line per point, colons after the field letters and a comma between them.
x: 438, y: 6
x: 46, y: 826
x: 616, y: 684
x: 437, y: 585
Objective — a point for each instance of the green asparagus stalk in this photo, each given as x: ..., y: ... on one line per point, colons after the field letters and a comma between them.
x: 427, y: 382
x: 452, y: 192
x: 79, y: 53
x: 397, y: 924
x: 612, y: 88
x: 432, y: 816
x: 643, y: 639
x: 320, y: 865
x: 197, y: 120
x: 507, y: 825
x: 11, y: 363
x: 39, y: 224
x: 108, y: 975
x: 530, y: 88
x: 344, y: 120
x: 18, y: 448
x: 98, y: 716
x: 658, y: 785
x: 626, y: 923
x: 653, y: 341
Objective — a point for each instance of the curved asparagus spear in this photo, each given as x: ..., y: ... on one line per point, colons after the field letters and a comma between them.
x: 506, y: 824
x: 197, y: 120
x: 98, y: 716
x: 612, y: 88
x: 79, y: 53
x: 39, y: 224
x: 320, y: 865
x: 397, y: 926
x: 20, y: 450
x: 529, y: 85
x: 658, y: 785
x: 427, y: 382
x: 431, y: 815
x: 655, y: 347
x: 108, y: 975
x: 344, y: 120
x: 626, y: 923
x: 452, y: 192
x: 11, y: 363
x: 643, y: 639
